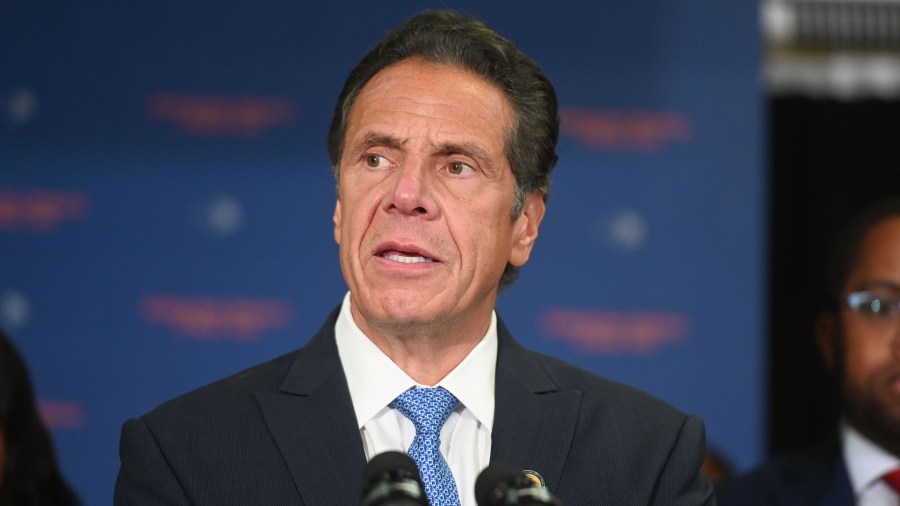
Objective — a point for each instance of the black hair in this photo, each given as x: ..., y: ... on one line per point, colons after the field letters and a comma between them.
x: 848, y: 243
x: 30, y: 476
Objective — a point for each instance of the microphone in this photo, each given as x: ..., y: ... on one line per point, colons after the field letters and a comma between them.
x: 503, y: 484
x: 392, y: 479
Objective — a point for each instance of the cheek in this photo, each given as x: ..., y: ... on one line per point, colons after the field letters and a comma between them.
x: 356, y: 217
x: 490, y: 241
x: 865, y: 356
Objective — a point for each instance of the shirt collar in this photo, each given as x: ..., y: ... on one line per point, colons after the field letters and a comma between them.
x: 866, y: 461
x: 375, y: 381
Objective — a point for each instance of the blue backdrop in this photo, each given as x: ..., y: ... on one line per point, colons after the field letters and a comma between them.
x: 166, y: 199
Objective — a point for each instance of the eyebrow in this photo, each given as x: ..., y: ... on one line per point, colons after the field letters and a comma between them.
x: 469, y: 149
x: 879, y: 284
x: 375, y: 139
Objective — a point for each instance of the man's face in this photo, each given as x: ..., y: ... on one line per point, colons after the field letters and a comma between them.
x: 425, y: 197
x: 871, y: 376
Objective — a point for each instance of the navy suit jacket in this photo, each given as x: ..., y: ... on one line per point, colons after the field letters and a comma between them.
x: 284, y: 432
x: 813, y: 477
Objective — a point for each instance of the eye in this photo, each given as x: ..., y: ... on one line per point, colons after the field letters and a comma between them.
x: 458, y: 168
x: 374, y: 161
x: 885, y: 306
x: 874, y: 306
x: 880, y: 306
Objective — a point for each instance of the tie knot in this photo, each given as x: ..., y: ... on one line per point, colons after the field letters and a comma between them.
x: 893, y: 479
x: 426, y: 408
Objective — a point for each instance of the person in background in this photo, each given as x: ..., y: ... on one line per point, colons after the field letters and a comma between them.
x: 858, y: 335
x: 29, y: 475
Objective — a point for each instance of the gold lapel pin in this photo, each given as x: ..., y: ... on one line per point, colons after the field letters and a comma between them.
x: 535, y: 477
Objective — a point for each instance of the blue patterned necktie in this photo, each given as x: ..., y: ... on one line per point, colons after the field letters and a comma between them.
x: 428, y: 410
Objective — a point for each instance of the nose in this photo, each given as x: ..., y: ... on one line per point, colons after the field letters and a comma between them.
x: 411, y: 191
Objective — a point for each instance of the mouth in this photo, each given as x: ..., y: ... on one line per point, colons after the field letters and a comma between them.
x: 404, y: 259
x: 405, y: 254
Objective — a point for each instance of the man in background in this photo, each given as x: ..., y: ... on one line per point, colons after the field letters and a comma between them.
x: 859, y: 337
x: 442, y: 144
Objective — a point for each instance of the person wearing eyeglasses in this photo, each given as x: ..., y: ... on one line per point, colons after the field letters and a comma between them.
x: 859, y: 338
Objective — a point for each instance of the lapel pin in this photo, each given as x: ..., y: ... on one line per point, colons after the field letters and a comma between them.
x: 535, y: 477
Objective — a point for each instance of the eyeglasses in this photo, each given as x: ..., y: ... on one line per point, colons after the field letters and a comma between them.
x: 875, y: 307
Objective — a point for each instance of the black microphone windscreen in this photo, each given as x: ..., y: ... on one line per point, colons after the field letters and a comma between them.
x: 494, y: 481
x: 392, y: 479
x: 388, y: 462
x: 503, y: 484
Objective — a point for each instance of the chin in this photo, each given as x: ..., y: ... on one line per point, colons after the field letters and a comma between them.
x: 404, y: 316
x: 879, y: 420
x: 391, y: 309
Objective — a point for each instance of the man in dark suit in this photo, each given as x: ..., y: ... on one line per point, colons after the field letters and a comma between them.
x: 442, y: 143
x: 859, y: 337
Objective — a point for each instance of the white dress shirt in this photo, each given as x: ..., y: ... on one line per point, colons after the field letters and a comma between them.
x: 375, y: 381
x: 866, y: 464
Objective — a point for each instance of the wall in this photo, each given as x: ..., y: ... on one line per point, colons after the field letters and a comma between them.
x: 166, y: 200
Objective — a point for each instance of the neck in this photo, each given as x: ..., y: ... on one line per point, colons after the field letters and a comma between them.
x: 427, y: 352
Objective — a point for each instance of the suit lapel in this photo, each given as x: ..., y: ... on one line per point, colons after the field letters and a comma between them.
x: 312, y: 421
x: 534, y: 421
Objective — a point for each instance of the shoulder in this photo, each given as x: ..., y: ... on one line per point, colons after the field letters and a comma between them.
x: 227, y: 395
x: 612, y: 415
x: 217, y: 434
x: 635, y: 445
x: 600, y: 397
x: 624, y: 421
x: 234, y: 393
x: 605, y: 396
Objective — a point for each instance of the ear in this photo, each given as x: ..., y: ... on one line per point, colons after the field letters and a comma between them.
x: 826, y: 338
x: 525, y: 229
x: 337, y: 221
